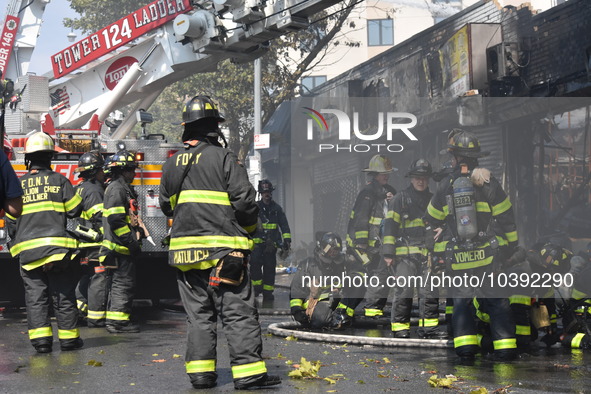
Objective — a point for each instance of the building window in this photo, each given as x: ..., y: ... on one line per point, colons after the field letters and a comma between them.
x: 380, y: 32
x: 309, y: 83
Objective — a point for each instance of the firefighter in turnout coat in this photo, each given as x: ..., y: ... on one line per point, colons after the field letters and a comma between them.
x: 472, y: 206
x: 404, y: 249
x: 89, y: 227
x: 119, y: 246
x: 45, y: 250
x: 275, y: 233
x: 207, y: 192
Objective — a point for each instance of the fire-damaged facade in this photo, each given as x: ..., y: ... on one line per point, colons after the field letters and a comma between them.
x: 518, y: 79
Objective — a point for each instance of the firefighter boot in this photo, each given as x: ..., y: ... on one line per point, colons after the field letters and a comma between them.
x: 204, y: 380
x: 71, y: 344
x: 122, y: 329
x: 254, y: 382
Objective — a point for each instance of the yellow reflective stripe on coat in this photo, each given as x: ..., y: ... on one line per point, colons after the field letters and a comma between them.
x: 121, y: 230
x: 286, y: 236
x: 43, y: 206
x: 90, y: 212
x: 394, y: 216
x: 520, y: 299
x: 509, y: 343
x: 578, y: 295
x: 121, y: 316
x: 204, y: 197
x: 198, y: 366
x: 68, y: 334
x: 501, y: 207
x: 522, y: 330
x: 73, y: 202
x: 466, y: 340
x: 482, y: 206
x: 269, y: 226
x: 375, y: 221
x: 296, y: 302
x: 251, y: 369
x: 114, y: 211
x: 113, y: 246
x: 389, y: 240
x: 44, y: 260
x: 434, y: 212
x: 63, y: 242
x: 413, y: 223
x: 512, y: 236
x: 250, y: 229
x: 211, y: 241
x: 406, y: 250
x: 361, y: 234
x: 40, y: 332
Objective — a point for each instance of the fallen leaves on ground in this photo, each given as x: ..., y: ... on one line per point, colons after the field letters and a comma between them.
x: 305, y: 369
x: 503, y: 390
x: 94, y: 363
x: 159, y: 361
x: 445, y: 382
x: 291, y: 338
x: 479, y: 390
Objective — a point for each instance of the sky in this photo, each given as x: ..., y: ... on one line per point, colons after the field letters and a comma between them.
x: 53, y: 35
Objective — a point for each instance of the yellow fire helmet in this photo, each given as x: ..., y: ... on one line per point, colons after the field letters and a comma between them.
x: 380, y: 164
x: 39, y: 142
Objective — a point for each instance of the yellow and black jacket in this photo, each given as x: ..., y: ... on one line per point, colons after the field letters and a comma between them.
x: 494, y: 214
x: 274, y: 224
x: 216, y: 210
x: 119, y: 237
x: 41, y: 236
x: 92, y: 193
x: 404, y: 228
x: 367, y: 214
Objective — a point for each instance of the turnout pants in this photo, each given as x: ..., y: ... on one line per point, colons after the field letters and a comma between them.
x: 376, y: 297
x: 262, y: 268
x: 496, y: 312
x: 235, y: 306
x: 44, y: 285
x: 111, y: 292
x: 407, y: 266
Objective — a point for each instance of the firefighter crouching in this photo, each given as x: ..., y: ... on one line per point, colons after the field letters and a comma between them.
x: 404, y: 250
x: 89, y: 226
x: 206, y: 190
x: 45, y: 250
x: 472, y: 203
x: 275, y: 233
x: 363, y: 240
x: 115, y: 278
x: 310, y: 302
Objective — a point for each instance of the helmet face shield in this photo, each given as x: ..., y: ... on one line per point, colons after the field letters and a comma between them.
x: 330, y: 249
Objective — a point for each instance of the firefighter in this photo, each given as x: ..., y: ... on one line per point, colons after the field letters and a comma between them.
x: 364, y: 237
x: 483, y: 234
x: 89, y: 228
x: 207, y: 192
x: 45, y: 249
x: 116, y: 273
x: 576, y: 318
x: 404, y: 250
x: 274, y: 234
x: 310, y: 297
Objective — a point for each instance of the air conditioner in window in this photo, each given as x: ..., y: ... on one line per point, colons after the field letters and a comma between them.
x: 502, y: 60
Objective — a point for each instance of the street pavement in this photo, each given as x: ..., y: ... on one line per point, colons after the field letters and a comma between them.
x: 153, y: 361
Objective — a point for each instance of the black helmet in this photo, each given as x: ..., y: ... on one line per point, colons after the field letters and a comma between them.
x: 123, y: 159
x: 330, y: 248
x: 265, y: 185
x: 550, y: 257
x: 200, y: 107
x: 464, y: 143
x: 420, y: 167
x: 90, y: 161
x: 107, y: 165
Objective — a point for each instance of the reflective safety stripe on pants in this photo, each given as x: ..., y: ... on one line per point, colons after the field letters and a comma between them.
x: 235, y: 305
